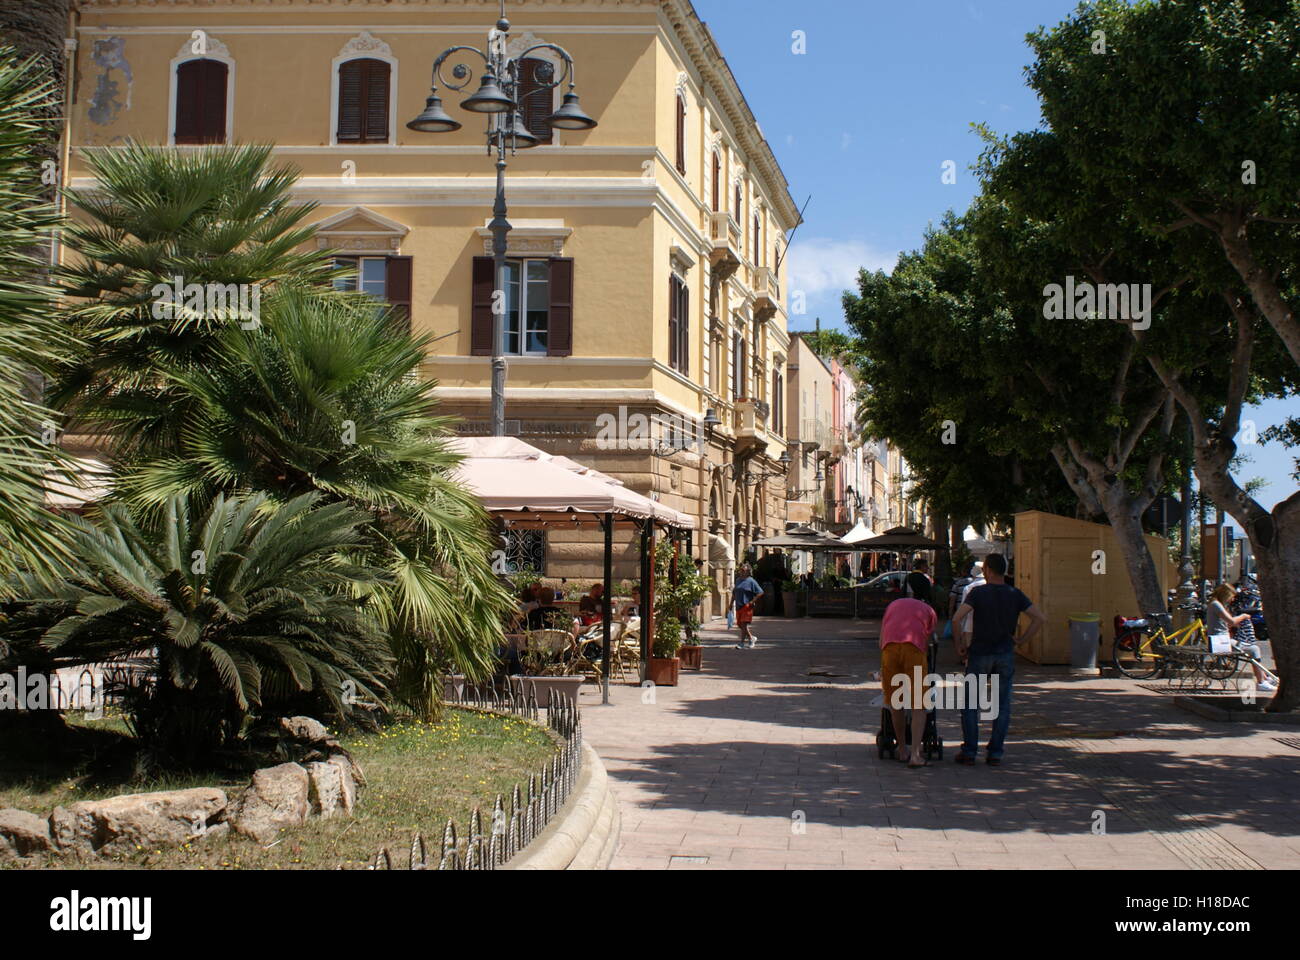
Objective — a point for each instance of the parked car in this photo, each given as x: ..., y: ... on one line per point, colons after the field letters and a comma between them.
x: 880, y: 591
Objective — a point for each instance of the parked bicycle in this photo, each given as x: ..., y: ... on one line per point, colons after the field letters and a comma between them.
x: 1149, y: 647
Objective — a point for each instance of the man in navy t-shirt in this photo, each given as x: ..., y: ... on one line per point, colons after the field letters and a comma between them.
x: 997, y: 607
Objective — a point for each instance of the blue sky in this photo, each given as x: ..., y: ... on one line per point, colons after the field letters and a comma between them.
x: 864, y: 120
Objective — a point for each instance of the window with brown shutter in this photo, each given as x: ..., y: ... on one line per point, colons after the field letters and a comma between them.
x: 397, y: 282
x: 681, y: 134
x: 560, y: 340
x: 363, y: 101
x: 717, y: 182
x: 679, y: 325
x: 385, y: 278
x: 201, y: 102
x: 481, y: 321
x: 535, y: 100
x: 526, y: 325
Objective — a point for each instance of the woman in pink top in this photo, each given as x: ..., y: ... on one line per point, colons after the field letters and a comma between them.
x: 904, y: 635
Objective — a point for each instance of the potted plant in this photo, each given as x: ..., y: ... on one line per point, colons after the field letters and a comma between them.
x: 679, y: 587
x: 665, y: 665
x: 790, y: 598
x: 547, y: 670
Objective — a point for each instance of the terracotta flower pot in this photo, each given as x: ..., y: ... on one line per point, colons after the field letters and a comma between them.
x: 692, y: 656
x: 663, y: 671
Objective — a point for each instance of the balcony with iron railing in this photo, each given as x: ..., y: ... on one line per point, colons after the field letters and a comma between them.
x: 814, y: 434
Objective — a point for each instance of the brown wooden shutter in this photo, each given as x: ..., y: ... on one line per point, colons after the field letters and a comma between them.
x: 397, y: 287
x: 684, y: 330
x: 559, y: 341
x: 534, y: 107
x: 376, y: 105
x: 363, y: 101
x: 681, y: 134
x: 201, y: 102
x: 672, y: 322
x: 481, y: 323
x: 717, y: 182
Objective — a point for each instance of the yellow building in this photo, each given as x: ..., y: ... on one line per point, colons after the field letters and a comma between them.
x: 647, y: 254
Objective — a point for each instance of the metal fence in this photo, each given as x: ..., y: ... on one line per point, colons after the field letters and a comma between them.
x: 531, y: 807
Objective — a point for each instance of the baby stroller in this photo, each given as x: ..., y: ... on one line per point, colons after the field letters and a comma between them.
x: 931, y: 742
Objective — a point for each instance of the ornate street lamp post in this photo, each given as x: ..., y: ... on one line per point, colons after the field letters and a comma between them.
x: 500, y: 97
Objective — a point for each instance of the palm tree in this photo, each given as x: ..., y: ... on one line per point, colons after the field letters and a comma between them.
x: 157, y: 217
x: 32, y: 340
x: 325, y: 395
x: 247, y: 603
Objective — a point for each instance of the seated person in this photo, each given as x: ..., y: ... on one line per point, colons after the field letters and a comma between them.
x: 633, y: 607
x: 547, y: 616
x: 590, y: 607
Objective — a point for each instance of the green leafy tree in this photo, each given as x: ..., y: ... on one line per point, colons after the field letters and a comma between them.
x: 248, y: 602
x: 1210, y: 168
x: 920, y: 334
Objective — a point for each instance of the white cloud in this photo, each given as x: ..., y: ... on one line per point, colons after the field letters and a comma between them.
x: 820, y: 265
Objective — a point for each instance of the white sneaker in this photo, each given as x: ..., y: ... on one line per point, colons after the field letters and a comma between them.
x: 1266, y: 686
x: 753, y: 641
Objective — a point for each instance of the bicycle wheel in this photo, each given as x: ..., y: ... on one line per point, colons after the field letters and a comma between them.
x: 1220, y: 667
x: 1134, y: 659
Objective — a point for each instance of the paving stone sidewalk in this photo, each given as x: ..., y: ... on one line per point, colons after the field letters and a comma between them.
x: 767, y: 759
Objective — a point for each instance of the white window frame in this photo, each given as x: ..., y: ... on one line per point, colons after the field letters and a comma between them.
x: 521, y: 312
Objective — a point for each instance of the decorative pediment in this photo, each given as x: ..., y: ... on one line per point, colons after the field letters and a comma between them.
x: 537, y: 237
x: 681, y: 261
x: 359, y: 230
x: 205, y: 45
x: 364, y: 45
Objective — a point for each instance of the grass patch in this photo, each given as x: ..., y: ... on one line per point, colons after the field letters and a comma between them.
x: 418, y: 775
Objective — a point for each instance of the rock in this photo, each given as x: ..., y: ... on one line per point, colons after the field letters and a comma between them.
x: 120, y: 824
x: 332, y: 787
x: 303, y: 728
x: 22, y: 834
x: 350, y: 775
x: 276, y: 797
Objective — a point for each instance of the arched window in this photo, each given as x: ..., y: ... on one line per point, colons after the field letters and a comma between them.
x: 681, y: 134
x: 717, y: 182
x: 201, y: 101
x: 536, y: 100
x: 364, y: 91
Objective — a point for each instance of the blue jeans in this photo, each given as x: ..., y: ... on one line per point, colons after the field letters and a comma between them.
x: 1002, y: 666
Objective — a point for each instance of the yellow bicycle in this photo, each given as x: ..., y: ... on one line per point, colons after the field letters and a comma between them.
x: 1146, y: 648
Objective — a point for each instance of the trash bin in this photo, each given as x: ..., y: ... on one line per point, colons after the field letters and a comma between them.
x: 1085, y: 638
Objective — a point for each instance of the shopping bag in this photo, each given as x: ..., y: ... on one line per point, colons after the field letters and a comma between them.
x: 731, y: 617
x: 1220, y: 643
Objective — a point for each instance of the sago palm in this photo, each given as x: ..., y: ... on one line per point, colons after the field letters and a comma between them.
x: 248, y: 602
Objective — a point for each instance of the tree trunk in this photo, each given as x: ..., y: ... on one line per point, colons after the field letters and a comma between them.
x: 1125, y: 516
x: 1279, y: 572
x: 943, y: 559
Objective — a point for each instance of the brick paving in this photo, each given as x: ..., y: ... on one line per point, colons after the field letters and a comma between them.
x: 756, y: 764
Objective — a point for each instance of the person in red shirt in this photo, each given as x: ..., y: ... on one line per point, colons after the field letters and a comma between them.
x: 904, y: 636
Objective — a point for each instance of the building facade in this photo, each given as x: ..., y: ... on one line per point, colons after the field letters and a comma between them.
x: 647, y: 256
